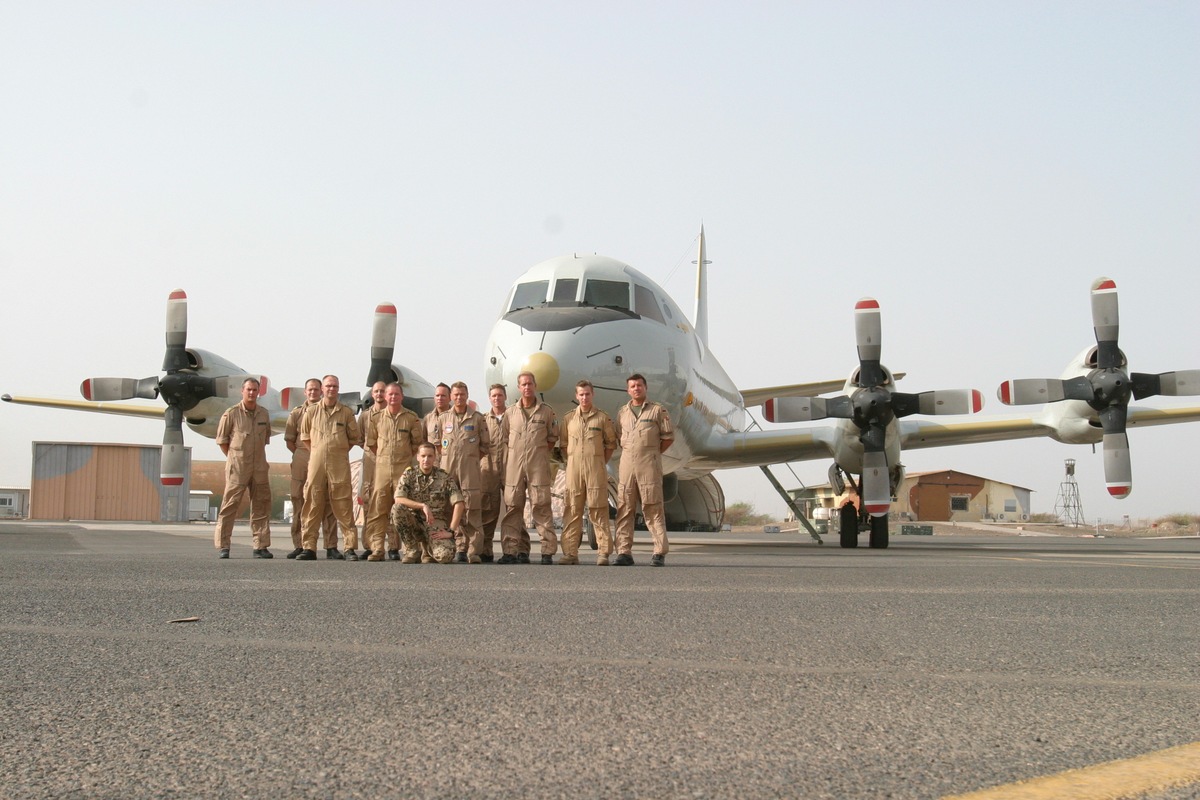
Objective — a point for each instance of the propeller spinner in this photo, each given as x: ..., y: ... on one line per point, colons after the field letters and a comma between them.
x: 1107, y: 388
x: 873, y: 406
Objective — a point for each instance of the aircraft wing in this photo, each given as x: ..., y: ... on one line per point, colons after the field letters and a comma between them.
x: 931, y: 433
x: 725, y: 449
x: 756, y: 397
x: 121, y: 409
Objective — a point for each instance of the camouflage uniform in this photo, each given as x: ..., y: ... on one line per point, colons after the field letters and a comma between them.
x: 439, y: 490
x: 640, y: 475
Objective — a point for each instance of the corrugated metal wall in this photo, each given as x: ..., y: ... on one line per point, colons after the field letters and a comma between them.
x: 78, y: 480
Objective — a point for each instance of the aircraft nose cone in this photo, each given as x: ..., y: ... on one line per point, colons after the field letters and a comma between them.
x: 544, y: 368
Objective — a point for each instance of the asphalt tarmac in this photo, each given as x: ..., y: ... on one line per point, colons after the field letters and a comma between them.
x: 748, y: 667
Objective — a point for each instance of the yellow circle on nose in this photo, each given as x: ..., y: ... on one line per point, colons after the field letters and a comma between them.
x: 544, y: 369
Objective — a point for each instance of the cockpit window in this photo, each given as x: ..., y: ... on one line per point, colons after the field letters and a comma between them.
x: 529, y: 295
x: 646, y: 304
x: 612, y: 294
x: 565, y: 290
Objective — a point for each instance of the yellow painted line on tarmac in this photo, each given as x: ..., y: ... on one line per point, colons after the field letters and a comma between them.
x: 1130, y: 777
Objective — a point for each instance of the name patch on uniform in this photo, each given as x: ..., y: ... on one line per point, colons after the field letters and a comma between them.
x: 468, y: 428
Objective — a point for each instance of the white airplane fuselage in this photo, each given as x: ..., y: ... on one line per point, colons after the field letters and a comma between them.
x: 593, y: 317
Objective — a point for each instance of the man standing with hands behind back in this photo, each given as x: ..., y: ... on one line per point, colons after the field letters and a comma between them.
x: 645, y: 432
x: 330, y: 430
x: 591, y: 440
x: 532, y: 432
x: 242, y: 435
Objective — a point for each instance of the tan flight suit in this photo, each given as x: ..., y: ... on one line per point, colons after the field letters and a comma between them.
x: 396, y: 437
x: 491, y: 469
x: 640, y: 474
x: 462, y: 441
x: 440, y: 491
x: 528, y: 473
x: 330, y: 433
x: 246, y: 433
x: 588, y: 436
x: 291, y: 435
x: 366, y: 475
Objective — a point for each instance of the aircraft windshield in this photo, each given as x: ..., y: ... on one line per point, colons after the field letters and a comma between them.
x: 647, y: 303
x: 529, y: 295
x: 565, y: 289
x: 611, y: 294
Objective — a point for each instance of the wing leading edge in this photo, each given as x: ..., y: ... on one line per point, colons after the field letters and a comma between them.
x: 757, y: 448
x: 120, y: 409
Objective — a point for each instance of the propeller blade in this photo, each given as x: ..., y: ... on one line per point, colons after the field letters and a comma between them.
x: 291, y: 396
x: 1169, y: 384
x: 877, y: 497
x: 806, y: 409
x: 1118, y: 472
x: 1028, y: 391
x: 176, y: 357
x: 868, y: 333
x: 1106, y: 322
x: 108, y: 389
x: 942, y: 401
x: 383, y: 344
x: 172, y: 449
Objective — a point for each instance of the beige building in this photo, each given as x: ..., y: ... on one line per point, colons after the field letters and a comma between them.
x: 938, y: 496
x: 81, y: 480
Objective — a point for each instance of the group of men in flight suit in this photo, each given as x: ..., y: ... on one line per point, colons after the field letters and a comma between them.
x: 439, y: 487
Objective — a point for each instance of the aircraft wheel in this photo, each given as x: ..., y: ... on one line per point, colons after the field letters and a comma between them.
x: 879, y: 532
x: 849, y: 525
x: 591, y: 534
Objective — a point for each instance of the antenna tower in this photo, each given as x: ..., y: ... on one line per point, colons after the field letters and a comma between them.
x: 1067, y: 506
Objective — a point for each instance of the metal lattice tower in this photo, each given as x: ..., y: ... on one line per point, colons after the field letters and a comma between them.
x: 1067, y: 506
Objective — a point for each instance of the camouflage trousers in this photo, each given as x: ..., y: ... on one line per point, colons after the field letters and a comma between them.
x: 418, y: 541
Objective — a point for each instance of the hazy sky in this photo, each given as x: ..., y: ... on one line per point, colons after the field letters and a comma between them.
x: 291, y: 165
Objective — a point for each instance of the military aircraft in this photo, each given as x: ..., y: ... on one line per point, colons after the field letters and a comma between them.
x: 594, y: 317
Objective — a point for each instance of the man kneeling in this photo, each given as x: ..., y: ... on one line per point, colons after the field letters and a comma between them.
x: 429, y: 506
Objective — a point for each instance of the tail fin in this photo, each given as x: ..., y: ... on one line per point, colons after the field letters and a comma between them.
x: 700, y: 318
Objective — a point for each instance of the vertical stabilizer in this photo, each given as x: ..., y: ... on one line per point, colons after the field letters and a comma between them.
x: 700, y: 318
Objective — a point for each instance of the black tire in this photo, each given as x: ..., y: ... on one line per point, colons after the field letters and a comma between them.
x: 848, y: 525
x: 879, y: 532
x: 591, y: 534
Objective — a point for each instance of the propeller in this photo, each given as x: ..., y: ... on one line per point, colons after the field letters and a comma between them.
x: 1106, y: 388
x: 873, y: 406
x: 180, y: 388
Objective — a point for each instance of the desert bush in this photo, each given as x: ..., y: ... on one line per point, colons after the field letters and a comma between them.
x: 1178, y: 520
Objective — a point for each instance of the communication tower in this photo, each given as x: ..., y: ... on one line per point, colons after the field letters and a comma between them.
x: 1067, y: 506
